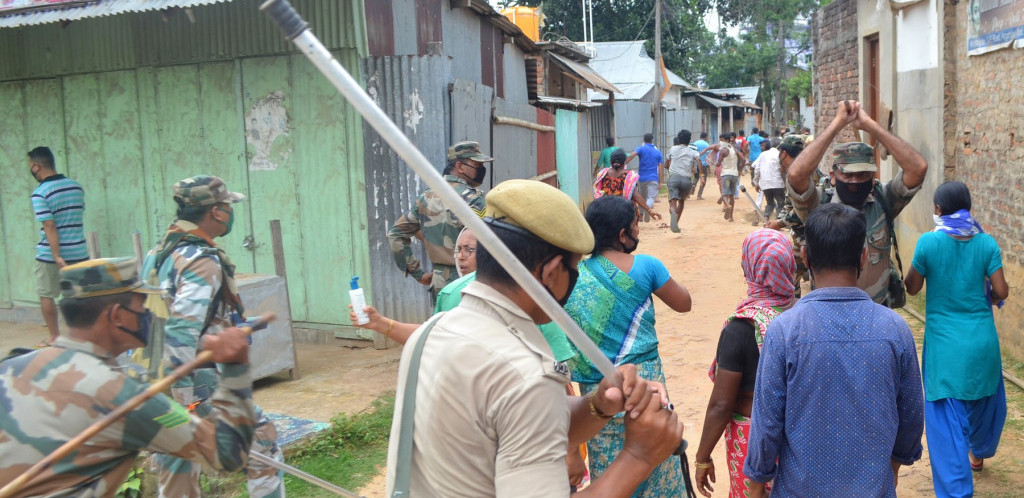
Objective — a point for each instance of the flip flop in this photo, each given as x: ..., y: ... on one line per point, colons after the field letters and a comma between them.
x: 43, y: 344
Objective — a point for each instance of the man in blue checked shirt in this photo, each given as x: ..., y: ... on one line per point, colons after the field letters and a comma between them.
x: 838, y: 403
x: 59, y: 204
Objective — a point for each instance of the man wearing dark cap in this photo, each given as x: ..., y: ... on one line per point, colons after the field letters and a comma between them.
x: 481, y: 408
x: 200, y: 296
x: 434, y: 224
x: 852, y: 175
x: 52, y: 395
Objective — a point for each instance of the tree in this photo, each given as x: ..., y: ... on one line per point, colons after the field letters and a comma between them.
x: 747, y: 61
x: 774, y: 20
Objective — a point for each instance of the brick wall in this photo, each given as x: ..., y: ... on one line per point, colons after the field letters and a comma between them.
x: 984, y: 148
x: 836, y: 75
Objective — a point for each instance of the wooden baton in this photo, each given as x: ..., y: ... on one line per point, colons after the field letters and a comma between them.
x: 108, y: 419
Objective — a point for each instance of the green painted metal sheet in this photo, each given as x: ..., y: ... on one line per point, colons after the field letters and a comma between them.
x: 266, y: 103
x: 567, y: 152
x: 129, y: 135
x: 328, y: 152
x: 218, y: 32
x: 32, y: 116
x: 304, y: 149
x: 13, y: 192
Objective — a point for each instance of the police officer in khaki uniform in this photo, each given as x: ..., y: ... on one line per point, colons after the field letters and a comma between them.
x: 490, y: 414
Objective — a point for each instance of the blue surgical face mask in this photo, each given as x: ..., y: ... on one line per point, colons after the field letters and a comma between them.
x: 145, y: 324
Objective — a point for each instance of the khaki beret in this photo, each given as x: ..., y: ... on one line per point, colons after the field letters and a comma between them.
x: 542, y: 210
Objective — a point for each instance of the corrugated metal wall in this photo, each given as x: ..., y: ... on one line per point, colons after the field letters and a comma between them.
x: 515, y: 147
x: 408, y: 89
x: 583, y: 159
x: 128, y: 135
x: 680, y: 119
x: 471, y: 113
x: 515, y: 74
x: 220, y: 32
x: 272, y: 127
x: 632, y: 120
x: 600, y: 126
x: 462, y: 43
x: 546, y: 161
x: 567, y: 143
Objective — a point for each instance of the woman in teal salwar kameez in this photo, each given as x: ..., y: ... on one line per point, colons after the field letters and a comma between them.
x: 612, y: 303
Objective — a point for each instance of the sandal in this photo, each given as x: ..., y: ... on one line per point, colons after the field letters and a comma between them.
x: 977, y: 464
x: 43, y: 344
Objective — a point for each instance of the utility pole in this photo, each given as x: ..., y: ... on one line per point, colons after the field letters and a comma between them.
x: 658, y: 83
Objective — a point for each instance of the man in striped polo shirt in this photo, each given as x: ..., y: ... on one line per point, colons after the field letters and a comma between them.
x: 59, y: 204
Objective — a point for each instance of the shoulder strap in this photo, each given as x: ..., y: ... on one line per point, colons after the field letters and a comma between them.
x: 880, y: 198
x: 403, y: 461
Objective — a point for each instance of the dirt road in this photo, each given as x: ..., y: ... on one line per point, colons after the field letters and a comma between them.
x: 705, y: 258
x: 346, y: 376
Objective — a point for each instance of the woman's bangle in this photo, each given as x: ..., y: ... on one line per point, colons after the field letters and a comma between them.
x: 391, y: 325
x: 704, y: 465
x: 593, y: 408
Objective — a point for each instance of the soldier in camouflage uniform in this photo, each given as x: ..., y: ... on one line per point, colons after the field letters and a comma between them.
x: 790, y: 148
x: 435, y: 225
x: 852, y: 174
x: 51, y: 395
x: 200, y: 297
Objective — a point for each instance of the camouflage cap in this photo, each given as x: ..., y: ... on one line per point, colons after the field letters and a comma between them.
x: 796, y: 141
x: 102, y: 277
x: 467, y: 150
x: 544, y: 211
x: 854, y: 157
x: 204, y: 190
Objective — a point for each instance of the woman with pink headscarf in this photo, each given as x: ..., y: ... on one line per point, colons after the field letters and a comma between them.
x: 769, y: 267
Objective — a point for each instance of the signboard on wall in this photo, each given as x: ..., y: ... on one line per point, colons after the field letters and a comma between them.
x: 994, y: 24
x: 6, y: 5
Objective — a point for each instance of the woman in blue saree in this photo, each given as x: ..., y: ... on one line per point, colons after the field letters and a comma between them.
x: 612, y: 303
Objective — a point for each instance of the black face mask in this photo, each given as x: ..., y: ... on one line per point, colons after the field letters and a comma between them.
x: 574, y: 275
x: 481, y: 173
x: 854, y: 194
x: 145, y: 323
x: 636, y: 242
x: 34, y: 177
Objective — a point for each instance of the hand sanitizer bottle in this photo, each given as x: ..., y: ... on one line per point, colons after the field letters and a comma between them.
x: 355, y: 295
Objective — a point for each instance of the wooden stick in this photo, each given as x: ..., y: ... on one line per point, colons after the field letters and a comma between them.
x: 108, y: 419
x: 92, y: 244
x: 137, y: 248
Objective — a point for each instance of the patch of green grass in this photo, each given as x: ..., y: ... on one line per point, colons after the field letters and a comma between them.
x: 348, y: 453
